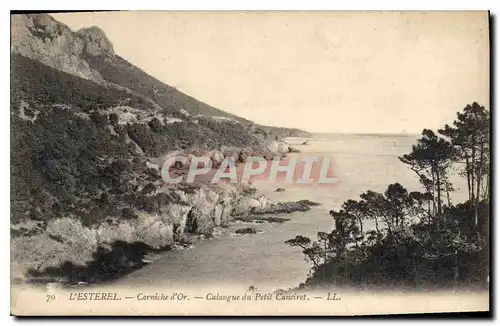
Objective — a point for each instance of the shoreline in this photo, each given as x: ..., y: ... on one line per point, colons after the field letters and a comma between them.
x: 113, y: 261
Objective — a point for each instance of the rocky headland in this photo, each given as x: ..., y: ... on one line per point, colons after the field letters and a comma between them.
x: 89, y: 134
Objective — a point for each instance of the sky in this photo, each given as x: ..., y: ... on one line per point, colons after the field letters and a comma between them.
x: 347, y: 72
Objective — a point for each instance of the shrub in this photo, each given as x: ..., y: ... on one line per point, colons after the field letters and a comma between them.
x: 38, y: 252
x: 113, y: 119
x: 80, y: 240
x: 123, y: 231
x: 154, y: 231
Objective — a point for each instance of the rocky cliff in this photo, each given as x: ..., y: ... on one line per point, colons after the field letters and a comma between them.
x: 88, y: 131
x: 89, y: 54
x: 44, y: 39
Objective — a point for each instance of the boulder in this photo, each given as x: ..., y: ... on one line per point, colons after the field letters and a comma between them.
x: 177, y: 215
x: 202, y: 217
x: 278, y: 147
x: 96, y: 41
x: 227, y: 204
x: 218, y: 210
x: 246, y: 205
x: 262, y: 203
x: 217, y: 158
x: 152, y: 166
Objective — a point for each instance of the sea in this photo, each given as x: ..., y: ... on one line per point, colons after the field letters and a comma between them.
x: 263, y: 261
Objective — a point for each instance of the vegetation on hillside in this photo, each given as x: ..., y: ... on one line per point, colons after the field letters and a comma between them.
x: 87, y: 198
x: 420, y: 239
x: 73, y: 151
x: 119, y: 71
x: 37, y: 83
x: 83, y: 185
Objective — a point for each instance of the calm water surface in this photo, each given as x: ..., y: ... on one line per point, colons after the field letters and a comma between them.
x: 362, y: 162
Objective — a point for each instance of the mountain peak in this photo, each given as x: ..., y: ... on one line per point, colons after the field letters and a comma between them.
x: 97, y: 41
x: 43, y: 38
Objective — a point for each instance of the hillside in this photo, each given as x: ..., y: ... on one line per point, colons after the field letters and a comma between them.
x: 70, y: 129
x: 90, y: 55
x: 118, y: 71
x: 285, y: 132
x: 89, y: 134
x: 64, y: 126
x: 85, y: 172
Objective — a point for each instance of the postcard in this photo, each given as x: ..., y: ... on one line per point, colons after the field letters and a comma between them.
x: 250, y: 163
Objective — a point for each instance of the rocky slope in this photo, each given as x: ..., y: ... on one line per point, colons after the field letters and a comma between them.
x: 44, y: 39
x: 89, y: 54
x: 84, y: 163
x: 88, y: 133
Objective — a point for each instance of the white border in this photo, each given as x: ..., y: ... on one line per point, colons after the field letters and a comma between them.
x: 190, y: 5
x: 258, y: 5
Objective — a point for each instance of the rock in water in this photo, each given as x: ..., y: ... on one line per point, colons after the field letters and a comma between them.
x: 246, y: 205
x: 249, y: 230
x: 308, y: 202
x: 287, y: 207
x: 278, y: 148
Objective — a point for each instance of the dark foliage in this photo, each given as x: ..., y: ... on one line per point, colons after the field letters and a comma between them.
x: 108, y: 264
x: 64, y: 159
x: 37, y: 83
x: 420, y: 239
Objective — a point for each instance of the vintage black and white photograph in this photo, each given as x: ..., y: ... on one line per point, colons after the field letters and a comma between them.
x: 250, y: 163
